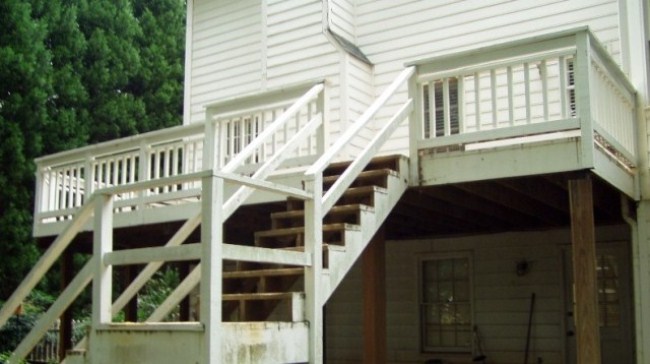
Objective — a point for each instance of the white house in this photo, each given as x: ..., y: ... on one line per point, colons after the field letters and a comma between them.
x: 374, y: 181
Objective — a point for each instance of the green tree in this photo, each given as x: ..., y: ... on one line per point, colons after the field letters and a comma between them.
x: 161, y: 42
x: 25, y: 87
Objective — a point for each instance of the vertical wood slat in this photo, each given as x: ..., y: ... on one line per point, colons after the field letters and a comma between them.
x: 584, y: 271
x: 511, y: 97
x: 446, y: 111
x: 563, y: 88
x: 493, y: 96
x: 432, y: 110
x: 64, y: 187
x: 544, y: 75
x: 527, y: 91
x: 477, y: 99
x: 461, y: 104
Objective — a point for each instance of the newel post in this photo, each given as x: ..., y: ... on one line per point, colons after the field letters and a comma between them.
x: 415, y: 127
x: 313, y: 274
x: 582, y: 74
x: 102, y: 244
x: 211, y: 267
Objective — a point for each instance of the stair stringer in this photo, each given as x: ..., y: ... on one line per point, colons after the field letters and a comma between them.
x: 370, y: 222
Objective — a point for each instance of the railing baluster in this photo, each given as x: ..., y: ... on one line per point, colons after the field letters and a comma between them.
x: 477, y: 100
x: 527, y: 91
x: 65, y: 181
x: 432, y: 110
x: 493, y: 89
x: 544, y: 76
x: 445, y: 107
x: 511, y: 98
x: 563, y: 88
x: 461, y: 104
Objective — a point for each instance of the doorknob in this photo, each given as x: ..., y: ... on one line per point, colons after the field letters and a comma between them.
x: 570, y: 333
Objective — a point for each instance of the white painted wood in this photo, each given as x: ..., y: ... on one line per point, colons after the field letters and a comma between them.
x: 583, y: 101
x: 313, y: 273
x: 103, y: 273
x: 150, y: 269
x: 154, y: 254
x: 263, y: 185
x: 340, y: 143
x: 46, y: 260
x: 178, y: 294
x: 265, y: 255
x: 341, y: 185
x: 211, y: 268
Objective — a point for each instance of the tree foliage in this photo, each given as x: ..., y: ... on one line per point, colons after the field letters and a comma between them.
x: 74, y: 72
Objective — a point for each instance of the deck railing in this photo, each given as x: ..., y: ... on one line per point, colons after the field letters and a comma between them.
x: 64, y: 180
x: 548, y: 85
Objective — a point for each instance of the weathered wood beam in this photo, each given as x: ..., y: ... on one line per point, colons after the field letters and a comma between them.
x: 477, y: 204
x: 584, y: 271
x: 501, y: 196
x: 539, y: 191
x: 453, y: 211
x: 374, y: 300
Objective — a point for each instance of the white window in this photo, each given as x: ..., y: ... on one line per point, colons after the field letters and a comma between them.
x: 434, y: 120
x: 446, y: 305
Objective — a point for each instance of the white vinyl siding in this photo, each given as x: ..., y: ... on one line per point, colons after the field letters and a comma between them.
x: 342, y: 18
x: 392, y: 33
x: 226, y: 51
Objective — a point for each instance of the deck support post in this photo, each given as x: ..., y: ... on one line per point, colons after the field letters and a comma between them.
x: 641, y: 274
x: 211, y: 267
x: 374, y: 300
x: 314, y: 273
x: 584, y: 271
x: 65, y: 330
x: 102, y: 244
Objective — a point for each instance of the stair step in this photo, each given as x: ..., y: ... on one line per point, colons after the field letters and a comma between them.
x: 264, y: 306
x: 263, y: 296
x: 389, y: 161
x: 338, y: 214
x: 362, y: 195
x: 294, y: 236
x: 376, y: 177
x: 256, y: 273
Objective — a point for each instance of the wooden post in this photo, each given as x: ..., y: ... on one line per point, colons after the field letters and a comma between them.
x: 584, y: 272
x: 102, y: 244
x: 211, y: 267
x: 65, y: 330
x: 314, y: 273
x: 374, y: 300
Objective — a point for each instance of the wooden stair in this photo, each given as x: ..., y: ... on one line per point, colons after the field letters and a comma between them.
x: 264, y: 292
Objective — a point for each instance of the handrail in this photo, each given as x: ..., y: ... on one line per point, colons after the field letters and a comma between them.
x: 352, y: 171
x: 46, y: 261
x: 322, y: 162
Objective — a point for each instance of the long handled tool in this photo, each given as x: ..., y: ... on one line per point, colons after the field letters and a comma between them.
x: 480, y: 357
x: 530, y: 325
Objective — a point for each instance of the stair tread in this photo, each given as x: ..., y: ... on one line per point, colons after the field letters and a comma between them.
x: 333, y: 210
x: 326, y: 246
x: 364, y: 174
x: 259, y: 296
x: 374, y: 161
x: 364, y: 189
x: 254, y: 273
x: 301, y: 229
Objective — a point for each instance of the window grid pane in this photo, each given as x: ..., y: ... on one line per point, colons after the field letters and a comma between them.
x: 446, y: 308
